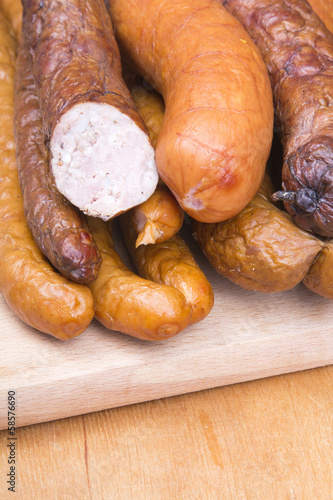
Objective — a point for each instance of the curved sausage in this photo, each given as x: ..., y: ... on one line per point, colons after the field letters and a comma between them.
x: 298, y: 51
x: 100, y: 153
x: 261, y: 248
x: 171, y: 263
x: 130, y: 304
x: 217, y: 130
x: 35, y: 292
x: 58, y: 228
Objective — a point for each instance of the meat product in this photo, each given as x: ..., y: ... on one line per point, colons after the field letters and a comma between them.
x: 35, y: 292
x: 171, y: 263
x: 100, y: 153
x: 58, y: 228
x: 130, y: 304
x: 261, y: 248
x: 217, y: 130
x: 298, y: 51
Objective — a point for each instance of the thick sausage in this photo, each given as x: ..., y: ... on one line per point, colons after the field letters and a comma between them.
x: 171, y: 263
x: 58, y: 228
x: 130, y: 304
x: 32, y: 288
x: 217, y: 131
x: 101, y: 156
x: 261, y: 248
x: 298, y: 51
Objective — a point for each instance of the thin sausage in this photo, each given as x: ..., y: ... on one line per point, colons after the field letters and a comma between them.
x: 130, y: 304
x: 58, y: 228
x: 171, y: 263
x: 32, y: 288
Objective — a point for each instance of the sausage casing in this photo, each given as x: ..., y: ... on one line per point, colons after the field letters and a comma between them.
x: 32, y: 288
x: 298, y: 51
x: 130, y: 304
x: 58, y: 228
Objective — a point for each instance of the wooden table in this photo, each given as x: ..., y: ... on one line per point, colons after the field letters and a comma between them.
x: 268, y: 439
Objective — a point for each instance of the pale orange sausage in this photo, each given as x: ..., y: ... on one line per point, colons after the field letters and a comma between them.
x: 217, y: 130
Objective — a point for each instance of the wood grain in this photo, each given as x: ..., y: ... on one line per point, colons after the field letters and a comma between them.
x: 271, y: 439
x: 248, y: 335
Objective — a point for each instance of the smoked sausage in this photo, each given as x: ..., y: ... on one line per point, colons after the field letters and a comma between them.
x: 130, y: 304
x: 171, y: 263
x: 217, y: 130
x: 58, y: 228
x: 100, y: 153
x: 35, y: 292
x: 298, y: 51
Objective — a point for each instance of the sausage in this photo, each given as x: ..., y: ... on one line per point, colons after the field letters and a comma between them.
x: 298, y: 51
x: 58, y: 228
x: 150, y: 106
x: 217, y: 130
x: 261, y: 248
x: 157, y: 219
x: 319, y: 278
x: 35, y: 292
x: 130, y: 304
x: 100, y: 153
x: 171, y: 263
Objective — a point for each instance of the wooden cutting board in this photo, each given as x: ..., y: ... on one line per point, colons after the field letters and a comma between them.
x: 248, y: 335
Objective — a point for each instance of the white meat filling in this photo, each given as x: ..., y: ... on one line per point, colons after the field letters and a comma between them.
x: 102, y: 162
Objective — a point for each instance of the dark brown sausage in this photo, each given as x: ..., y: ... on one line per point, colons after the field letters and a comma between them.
x: 298, y: 51
x: 58, y: 228
x: 100, y: 153
x: 35, y: 292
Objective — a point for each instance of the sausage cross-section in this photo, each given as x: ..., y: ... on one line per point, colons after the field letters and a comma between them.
x: 101, y: 156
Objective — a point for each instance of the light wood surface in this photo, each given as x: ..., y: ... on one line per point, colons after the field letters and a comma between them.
x: 270, y: 439
x: 248, y: 335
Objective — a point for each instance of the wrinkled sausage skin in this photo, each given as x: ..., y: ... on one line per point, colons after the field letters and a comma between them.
x: 298, y: 51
